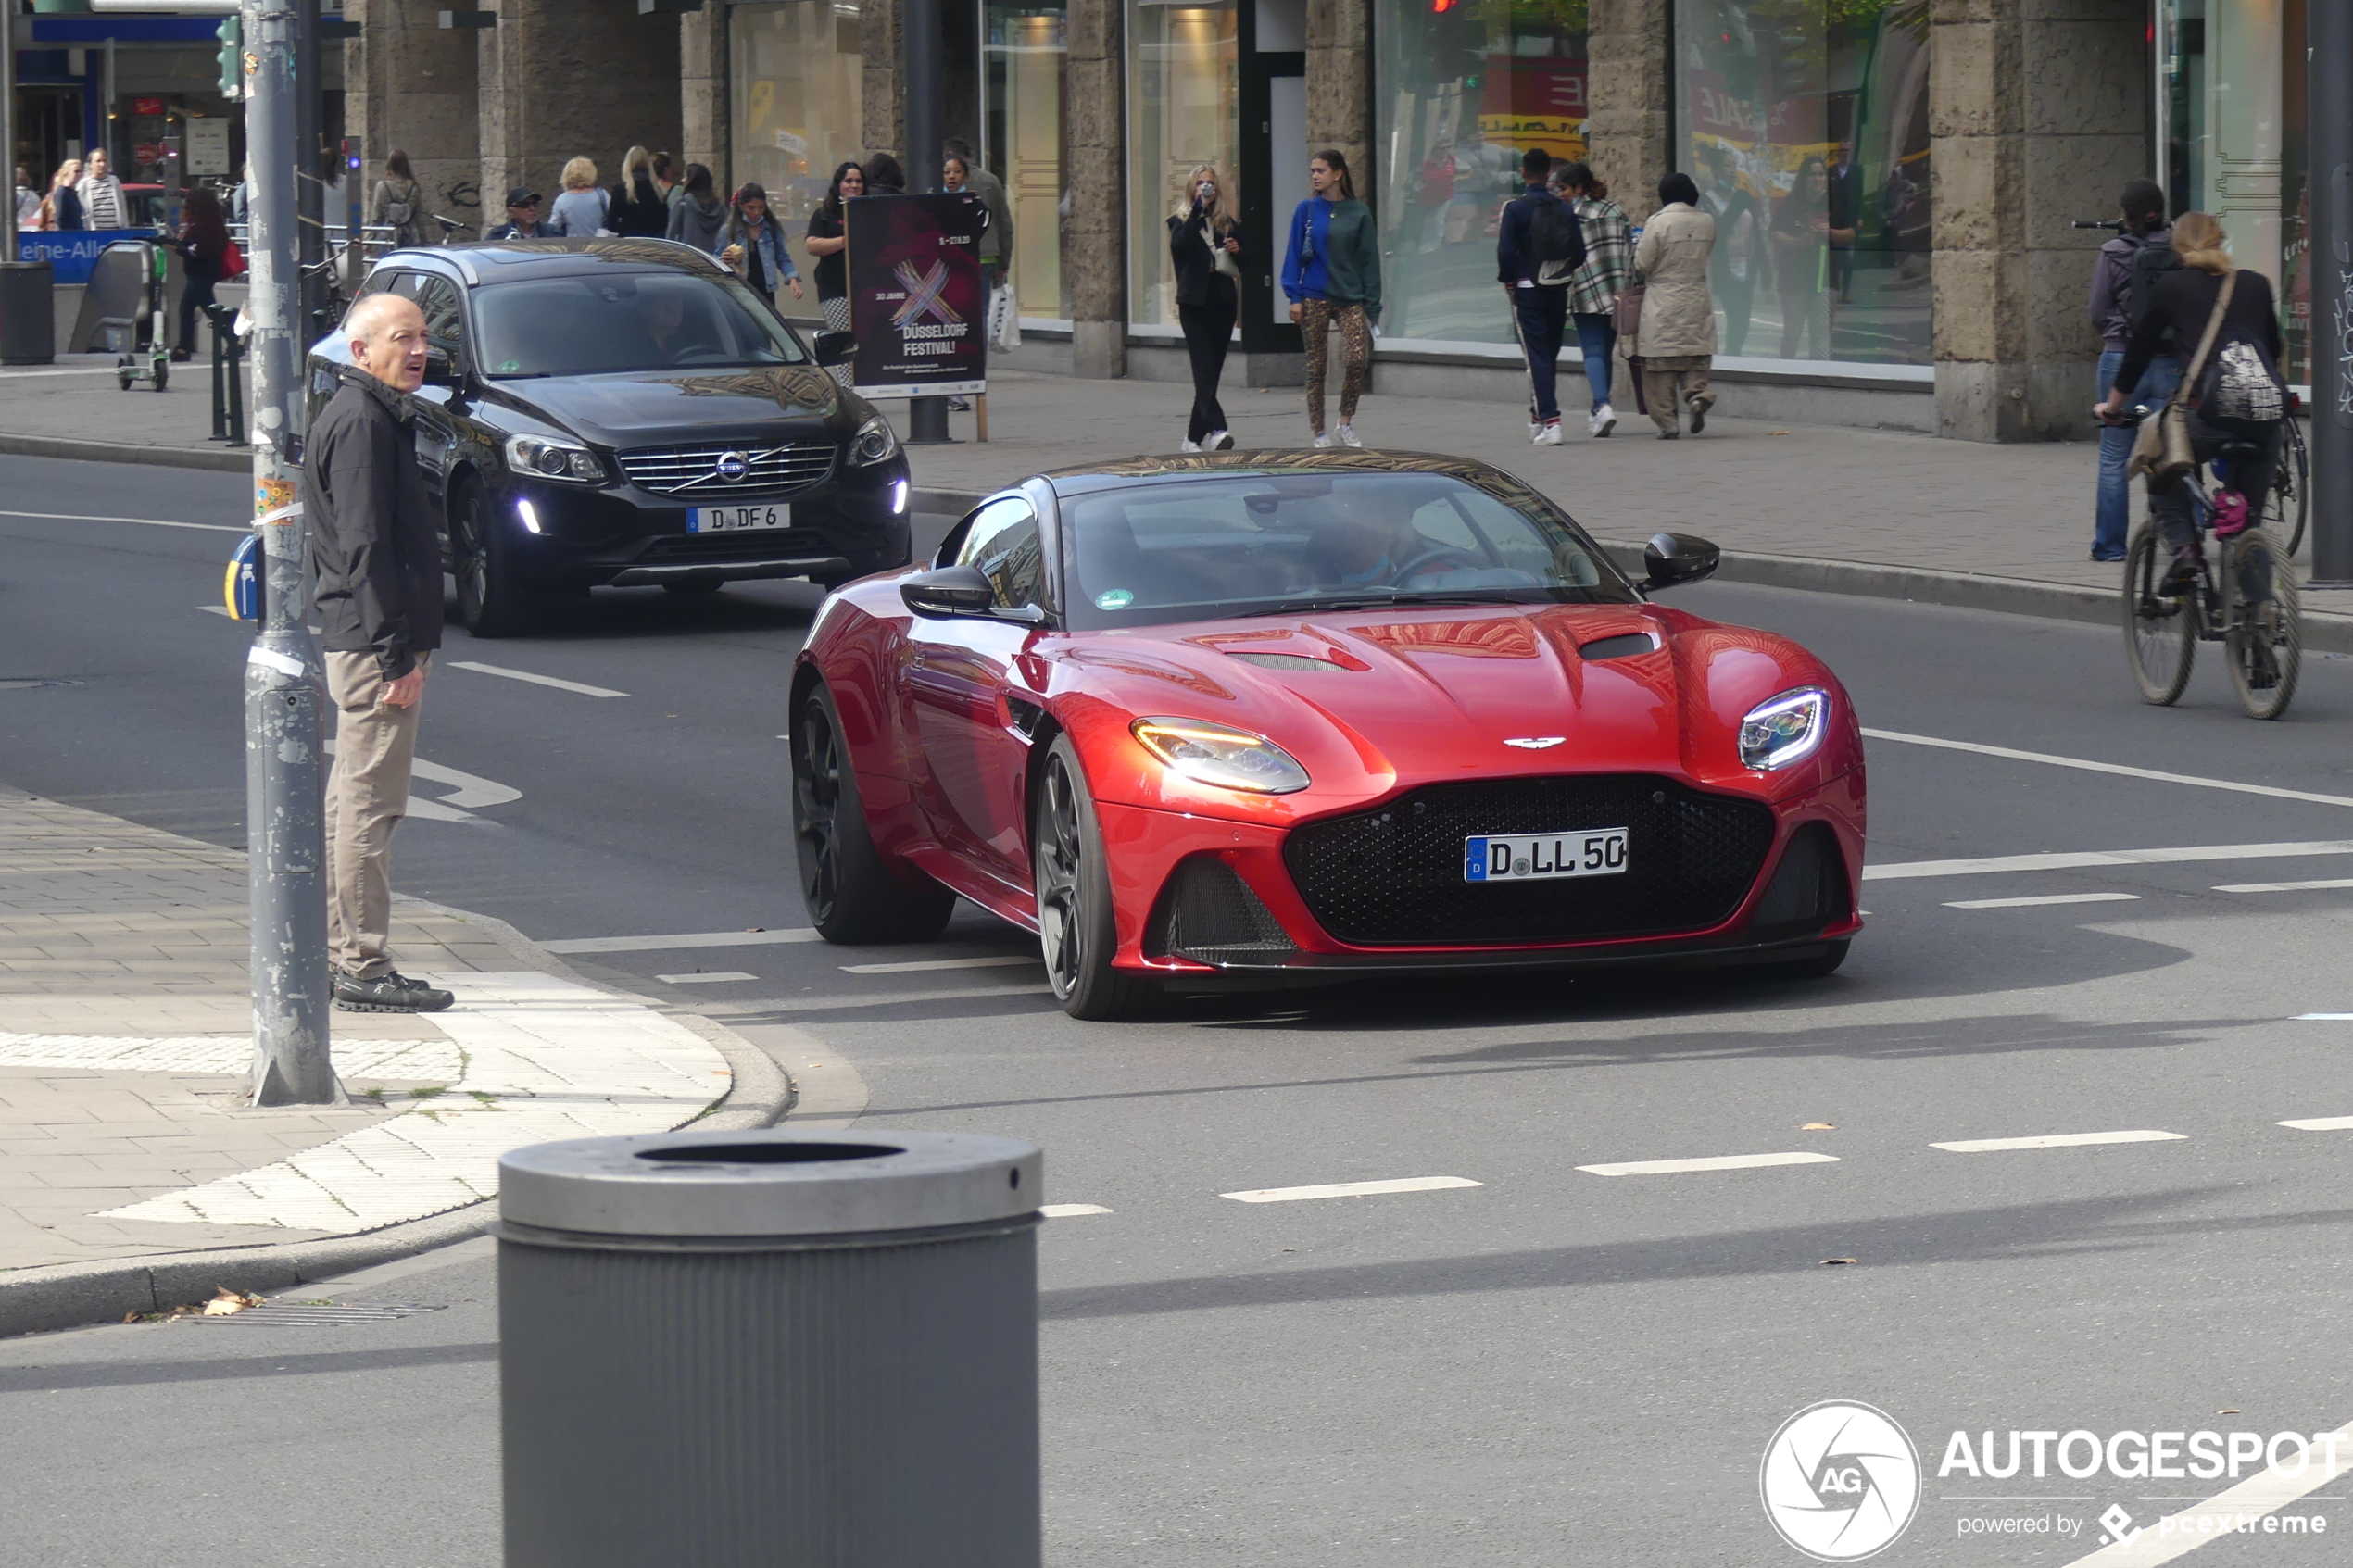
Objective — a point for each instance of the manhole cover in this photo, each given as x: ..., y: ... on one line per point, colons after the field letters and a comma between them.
x: 25, y: 682
x: 327, y: 1316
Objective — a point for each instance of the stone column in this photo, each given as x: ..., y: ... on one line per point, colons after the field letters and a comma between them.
x: 880, y: 100
x: 2038, y: 114
x: 1095, y: 247
x: 704, y: 83
x: 410, y: 85
x: 1628, y: 92
x: 558, y: 83
x: 1340, y: 83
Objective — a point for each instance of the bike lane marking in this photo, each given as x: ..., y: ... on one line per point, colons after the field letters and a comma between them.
x: 2060, y: 860
x: 2117, y: 768
x: 1351, y: 1189
x: 2055, y: 1140
x: 1709, y: 1163
x: 2044, y: 899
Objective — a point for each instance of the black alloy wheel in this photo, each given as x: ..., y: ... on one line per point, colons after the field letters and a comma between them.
x: 490, y: 603
x: 852, y: 897
x: 1072, y: 878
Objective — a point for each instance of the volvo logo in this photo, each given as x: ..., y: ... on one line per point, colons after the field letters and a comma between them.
x: 733, y: 467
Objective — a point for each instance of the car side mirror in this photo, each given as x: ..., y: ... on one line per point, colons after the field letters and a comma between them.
x: 948, y: 591
x: 836, y: 348
x: 439, y: 370
x: 1672, y: 559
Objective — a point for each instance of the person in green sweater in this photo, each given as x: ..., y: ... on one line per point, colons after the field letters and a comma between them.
x: 1331, y: 274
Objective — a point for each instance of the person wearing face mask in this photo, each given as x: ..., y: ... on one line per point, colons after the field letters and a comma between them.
x: 1205, y: 247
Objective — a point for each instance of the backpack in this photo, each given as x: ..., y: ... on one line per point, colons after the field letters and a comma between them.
x: 2150, y: 263
x: 397, y: 212
x: 1556, y: 240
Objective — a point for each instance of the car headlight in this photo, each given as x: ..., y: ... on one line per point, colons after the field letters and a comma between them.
x: 1213, y: 754
x: 536, y: 456
x: 1784, y: 730
x: 873, y: 444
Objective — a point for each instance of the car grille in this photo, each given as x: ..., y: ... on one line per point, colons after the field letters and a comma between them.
x: 1394, y: 874
x: 694, y: 471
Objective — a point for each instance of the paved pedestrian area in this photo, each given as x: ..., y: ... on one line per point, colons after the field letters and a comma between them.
x: 125, y: 1040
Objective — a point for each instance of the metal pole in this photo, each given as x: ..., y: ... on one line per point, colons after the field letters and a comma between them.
x: 311, y: 193
x: 927, y: 416
x: 9, y: 126
x: 284, y: 833
x: 2328, y: 162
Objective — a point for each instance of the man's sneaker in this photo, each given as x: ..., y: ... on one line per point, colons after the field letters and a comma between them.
x: 1217, y: 441
x: 1551, y: 434
x: 1699, y: 413
x: 1188, y: 444
x: 388, y: 992
x: 1348, y: 437
x: 1322, y: 441
x: 1604, y: 420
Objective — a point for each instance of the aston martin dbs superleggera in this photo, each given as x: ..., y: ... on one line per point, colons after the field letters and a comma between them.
x: 1265, y: 718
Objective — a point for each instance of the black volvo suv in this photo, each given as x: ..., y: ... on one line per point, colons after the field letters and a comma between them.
x: 626, y: 411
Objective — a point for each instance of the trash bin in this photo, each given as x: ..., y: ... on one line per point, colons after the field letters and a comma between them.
x: 28, y: 314
x: 762, y: 1347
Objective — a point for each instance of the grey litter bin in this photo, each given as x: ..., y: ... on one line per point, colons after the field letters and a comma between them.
x: 770, y: 1347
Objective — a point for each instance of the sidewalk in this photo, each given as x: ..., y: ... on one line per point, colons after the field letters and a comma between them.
x: 125, y: 1141
x: 75, y: 408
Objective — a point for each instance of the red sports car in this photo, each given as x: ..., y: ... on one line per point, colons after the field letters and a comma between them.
x: 1260, y: 718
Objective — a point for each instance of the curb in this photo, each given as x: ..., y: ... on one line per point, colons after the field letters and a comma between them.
x: 70, y: 1295
x: 220, y: 459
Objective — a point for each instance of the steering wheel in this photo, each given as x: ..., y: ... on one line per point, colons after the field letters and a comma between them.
x: 701, y: 356
x: 1434, y: 553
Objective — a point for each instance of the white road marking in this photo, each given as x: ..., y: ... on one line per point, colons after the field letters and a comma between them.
x: 2116, y: 767
x: 910, y: 968
x: 471, y: 791
x: 1713, y: 1162
x: 2283, y: 887
x: 719, y: 978
x: 2324, y: 1018
x: 2054, y: 1140
x: 150, y: 521
x: 827, y: 1004
x: 2264, y: 1493
x: 685, y: 939
x: 2057, y: 861
x: 220, y: 611
x: 1350, y: 1190
x: 2322, y: 1124
x: 2043, y: 899
x: 1072, y: 1210
x: 534, y: 680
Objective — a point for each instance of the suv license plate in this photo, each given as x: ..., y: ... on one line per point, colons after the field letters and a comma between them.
x: 1532, y: 856
x: 732, y: 519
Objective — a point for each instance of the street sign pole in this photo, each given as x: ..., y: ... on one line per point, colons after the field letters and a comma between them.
x: 2329, y: 163
x: 919, y: 21
x: 284, y: 828
x: 310, y: 193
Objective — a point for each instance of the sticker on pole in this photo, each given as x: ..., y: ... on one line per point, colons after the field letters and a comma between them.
x: 241, y: 585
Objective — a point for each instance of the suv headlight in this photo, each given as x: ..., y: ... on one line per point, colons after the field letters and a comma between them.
x: 540, y: 457
x: 873, y: 444
x: 1784, y: 730
x: 1215, y: 754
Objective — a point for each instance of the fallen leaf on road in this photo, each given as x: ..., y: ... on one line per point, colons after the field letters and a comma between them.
x: 228, y: 1303
x: 2226, y: 1412
x: 1781, y: 432
x: 1838, y: 1260
x: 1819, y: 1127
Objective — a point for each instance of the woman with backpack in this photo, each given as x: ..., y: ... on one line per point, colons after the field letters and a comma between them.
x: 698, y: 217
x: 1332, y: 273
x: 399, y: 203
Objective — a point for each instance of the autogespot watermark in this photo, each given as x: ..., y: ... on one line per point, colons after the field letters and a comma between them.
x: 1841, y: 1482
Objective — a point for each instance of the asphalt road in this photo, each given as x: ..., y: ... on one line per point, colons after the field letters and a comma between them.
x: 1553, y: 1366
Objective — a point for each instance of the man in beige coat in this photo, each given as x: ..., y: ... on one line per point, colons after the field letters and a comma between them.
x: 1677, y: 336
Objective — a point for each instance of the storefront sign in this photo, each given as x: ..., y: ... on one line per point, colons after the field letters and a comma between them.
x: 209, y: 146
x: 916, y: 299
x: 149, y: 109
x: 71, y: 253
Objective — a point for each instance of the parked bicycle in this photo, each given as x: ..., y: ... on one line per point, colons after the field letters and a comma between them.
x: 2250, y: 604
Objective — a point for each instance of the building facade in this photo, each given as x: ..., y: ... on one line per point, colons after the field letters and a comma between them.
x: 1896, y: 182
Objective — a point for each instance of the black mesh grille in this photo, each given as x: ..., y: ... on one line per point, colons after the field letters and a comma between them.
x: 1808, y: 890
x: 1395, y: 875
x: 1208, y: 913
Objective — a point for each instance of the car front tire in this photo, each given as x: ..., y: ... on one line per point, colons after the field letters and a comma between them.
x: 1072, y: 874
x: 851, y: 896
x: 490, y: 602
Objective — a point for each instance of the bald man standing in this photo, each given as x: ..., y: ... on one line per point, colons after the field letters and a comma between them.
x: 376, y: 551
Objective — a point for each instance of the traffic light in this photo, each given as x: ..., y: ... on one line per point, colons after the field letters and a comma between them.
x: 1454, y: 43
x: 232, y: 34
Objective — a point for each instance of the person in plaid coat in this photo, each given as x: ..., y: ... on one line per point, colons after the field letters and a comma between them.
x: 1593, y: 288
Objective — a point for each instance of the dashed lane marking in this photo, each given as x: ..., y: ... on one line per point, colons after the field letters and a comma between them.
x: 912, y: 966
x: 682, y: 939
x: 2117, y: 769
x: 1351, y: 1189
x: 1711, y: 1163
x: 2055, y: 1140
x: 720, y: 978
x: 2043, y: 899
x: 2322, y: 1124
x: 2080, y: 860
x: 501, y: 671
x: 1072, y: 1210
x: 2285, y: 887
x: 2324, y: 1017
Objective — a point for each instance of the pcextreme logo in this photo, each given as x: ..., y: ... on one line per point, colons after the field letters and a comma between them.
x: 1841, y: 1481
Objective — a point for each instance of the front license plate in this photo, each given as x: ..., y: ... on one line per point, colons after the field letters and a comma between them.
x: 734, y: 520
x: 1531, y: 856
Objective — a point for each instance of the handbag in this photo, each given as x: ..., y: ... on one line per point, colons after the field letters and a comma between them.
x: 1628, y: 315
x: 1219, y: 256
x: 2161, y: 449
x: 232, y: 261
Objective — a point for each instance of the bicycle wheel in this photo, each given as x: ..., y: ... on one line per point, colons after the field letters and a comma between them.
x: 2290, y: 503
x: 2161, y: 634
x: 2265, y: 643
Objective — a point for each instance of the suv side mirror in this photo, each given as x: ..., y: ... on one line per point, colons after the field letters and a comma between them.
x: 1671, y: 558
x: 948, y: 591
x: 836, y: 348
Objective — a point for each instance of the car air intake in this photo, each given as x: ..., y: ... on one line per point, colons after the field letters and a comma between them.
x: 694, y: 472
x: 1808, y: 891
x: 1288, y: 662
x: 1394, y: 874
x: 1207, y: 913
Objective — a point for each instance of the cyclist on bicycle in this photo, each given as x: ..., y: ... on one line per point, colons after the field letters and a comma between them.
x: 2239, y: 397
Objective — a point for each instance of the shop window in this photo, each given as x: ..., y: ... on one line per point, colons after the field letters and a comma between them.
x: 1183, y: 109
x: 796, y: 102
x: 1025, y: 136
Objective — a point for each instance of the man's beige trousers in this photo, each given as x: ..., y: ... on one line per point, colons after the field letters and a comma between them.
x: 367, y: 795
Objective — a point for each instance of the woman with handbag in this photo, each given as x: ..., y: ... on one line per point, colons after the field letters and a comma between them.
x: 203, y: 245
x: 2230, y: 391
x: 1206, y: 247
x: 398, y: 202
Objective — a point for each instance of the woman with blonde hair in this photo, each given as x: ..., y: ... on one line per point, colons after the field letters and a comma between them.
x: 580, y: 211
x: 62, y: 208
x: 635, y: 206
x: 1204, y: 244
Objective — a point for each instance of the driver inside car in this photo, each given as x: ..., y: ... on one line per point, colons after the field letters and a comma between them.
x: 1373, y: 543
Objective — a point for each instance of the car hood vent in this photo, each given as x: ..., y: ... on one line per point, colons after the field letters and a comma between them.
x: 1287, y: 661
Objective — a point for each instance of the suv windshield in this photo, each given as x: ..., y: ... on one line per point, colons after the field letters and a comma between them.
x: 626, y: 321
x: 1274, y: 543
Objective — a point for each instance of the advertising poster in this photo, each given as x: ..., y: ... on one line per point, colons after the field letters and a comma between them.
x: 71, y: 253
x: 915, y: 300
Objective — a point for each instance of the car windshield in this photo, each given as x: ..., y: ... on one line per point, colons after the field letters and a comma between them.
x: 604, y: 322
x: 1274, y: 544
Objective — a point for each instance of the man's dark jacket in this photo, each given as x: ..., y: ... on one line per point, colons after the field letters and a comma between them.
x: 376, y: 544
x: 1515, y: 255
